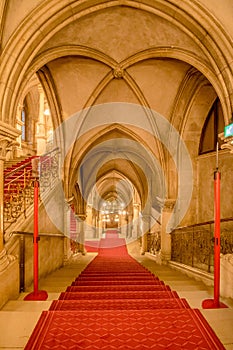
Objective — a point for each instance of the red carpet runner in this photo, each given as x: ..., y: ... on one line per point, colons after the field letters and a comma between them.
x: 116, y: 304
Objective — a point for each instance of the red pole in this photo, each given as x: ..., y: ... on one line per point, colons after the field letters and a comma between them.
x: 35, y: 236
x: 217, y: 238
x: 36, y: 294
x: 215, y: 303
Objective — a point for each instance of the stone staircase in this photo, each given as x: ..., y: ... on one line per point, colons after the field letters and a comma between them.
x: 18, y: 317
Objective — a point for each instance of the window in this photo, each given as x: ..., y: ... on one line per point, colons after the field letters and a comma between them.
x: 213, y: 126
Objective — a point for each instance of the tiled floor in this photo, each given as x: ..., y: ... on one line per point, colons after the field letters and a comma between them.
x: 19, y: 317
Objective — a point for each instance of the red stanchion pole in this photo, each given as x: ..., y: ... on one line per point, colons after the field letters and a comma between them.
x: 217, y: 238
x: 35, y: 236
x: 36, y: 294
x: 215, y: 303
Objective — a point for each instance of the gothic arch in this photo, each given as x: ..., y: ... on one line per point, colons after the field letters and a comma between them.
x: 87, y: 143
x: 36, y: 29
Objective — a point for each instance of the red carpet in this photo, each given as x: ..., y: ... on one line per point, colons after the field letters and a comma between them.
x: 119, y: 304
x: 116, y: 304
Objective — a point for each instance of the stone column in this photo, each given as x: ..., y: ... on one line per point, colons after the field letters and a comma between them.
x: 124, y: 223
x: 166, y: 236
x: 67, y: 248
x: 135, y: 232
x: 145, y: 230
x: 80, y: 232
x: 19, y: 124
x: 100, y: 226
x: 130, y: 225
x: 41, y: 136
x: 94, y: 223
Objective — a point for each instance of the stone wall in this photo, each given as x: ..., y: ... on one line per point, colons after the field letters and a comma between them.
x: 226, y: 275
x: 205, y: 185
x: 51, y: 256
x: 9, y: 282
x: 18, y: 276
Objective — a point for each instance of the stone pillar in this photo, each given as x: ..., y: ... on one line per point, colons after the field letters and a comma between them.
x: 80, y: 232
x: 100, y: 226
x: 94, y: 222
x: 166, y: 236
x: 67, y: 248
x: 124, y: 223
x: 135, y: 232
x: 19, y: 124
x: 130, y: 225
x: 145, y: 230
x: 41, y: 136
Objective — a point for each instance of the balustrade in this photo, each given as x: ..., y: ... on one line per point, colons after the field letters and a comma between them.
x: 19, y: 185
x: 194, y: 245
x: 154, y: 242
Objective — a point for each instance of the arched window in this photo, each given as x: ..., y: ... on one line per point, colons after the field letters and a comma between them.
x: 213, y: 126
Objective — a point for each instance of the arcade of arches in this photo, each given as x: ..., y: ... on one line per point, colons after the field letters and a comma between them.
x: 131, y: 98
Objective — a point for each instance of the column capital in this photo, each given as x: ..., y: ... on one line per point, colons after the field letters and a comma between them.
x: 228, y: 142
x: 5, y: 145
x: 169, y: 204
x: 81, y: 217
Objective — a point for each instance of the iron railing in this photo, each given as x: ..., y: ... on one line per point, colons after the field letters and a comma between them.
x: 154, y: 242
x: 48, y: 169
x: 194, y: 245
x: 18, y: 193
x: 19, y: 185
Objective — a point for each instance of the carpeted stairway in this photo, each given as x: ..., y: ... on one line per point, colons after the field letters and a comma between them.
x: 115, y: 303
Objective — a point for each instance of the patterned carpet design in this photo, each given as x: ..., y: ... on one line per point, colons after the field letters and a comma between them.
x: 117, y: 304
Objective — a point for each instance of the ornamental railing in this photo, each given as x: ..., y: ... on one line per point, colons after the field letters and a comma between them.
x: 154, y: 242
x: 19, y: 185
x: 49, y: 169
x: 194, y: 245
x: 18, y: 193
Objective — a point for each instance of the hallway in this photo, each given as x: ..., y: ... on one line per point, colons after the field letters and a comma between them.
x: 18, y: 318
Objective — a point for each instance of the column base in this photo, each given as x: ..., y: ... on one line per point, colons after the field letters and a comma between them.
x: 165, y: 257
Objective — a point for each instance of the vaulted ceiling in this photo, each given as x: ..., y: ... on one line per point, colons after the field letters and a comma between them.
x: 165, y: 56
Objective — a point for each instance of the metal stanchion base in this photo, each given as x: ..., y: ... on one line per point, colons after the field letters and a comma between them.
x: 39, y: 295
x: 212, y: 304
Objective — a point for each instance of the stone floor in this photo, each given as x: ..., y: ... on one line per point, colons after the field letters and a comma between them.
x: 18, y: 317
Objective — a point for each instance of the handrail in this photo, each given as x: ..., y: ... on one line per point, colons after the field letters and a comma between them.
x: 18, y: 168
x: 17, y: 177
x: 21, y: 236
x: 202, y: 223
x: 14, y: 233
x: 29, y: 162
